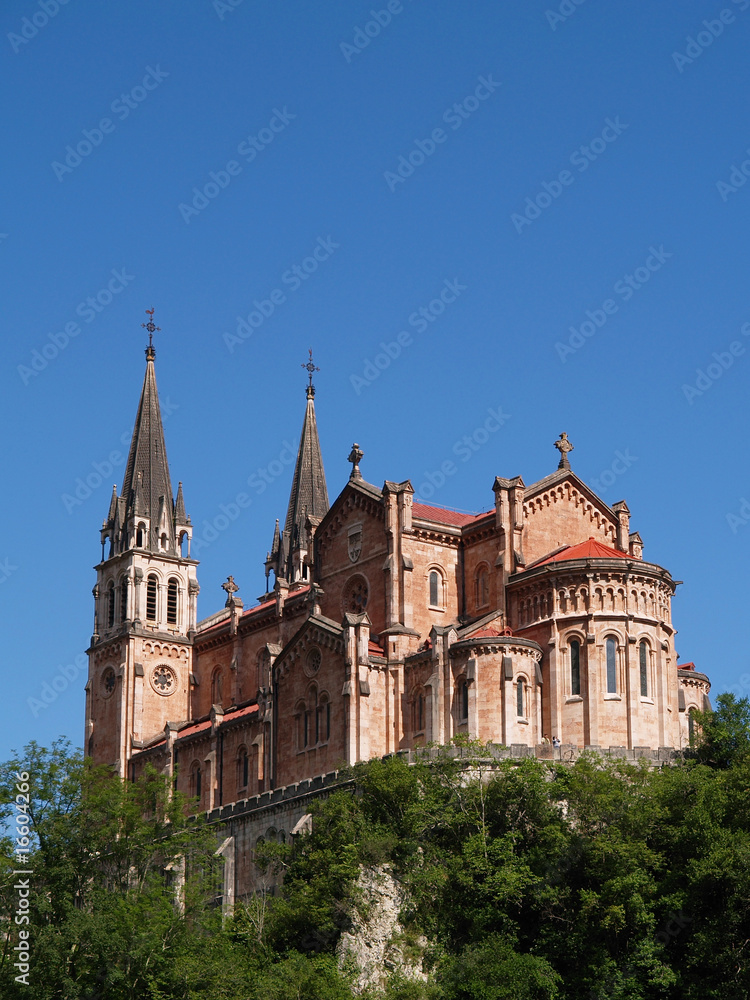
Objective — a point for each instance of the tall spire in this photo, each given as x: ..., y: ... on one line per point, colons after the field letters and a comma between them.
x: 309, y: 494
x: 146, y: 495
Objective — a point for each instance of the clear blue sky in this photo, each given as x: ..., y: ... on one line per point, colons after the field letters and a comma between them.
x: 305, y: 128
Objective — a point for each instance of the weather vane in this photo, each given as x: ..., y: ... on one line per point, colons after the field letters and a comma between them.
x: 310, y: 367
x: 151, y: 327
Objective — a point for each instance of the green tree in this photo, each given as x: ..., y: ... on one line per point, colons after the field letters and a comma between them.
x: 492, y: 970
x: 722, y: 736
x: 110, y: 908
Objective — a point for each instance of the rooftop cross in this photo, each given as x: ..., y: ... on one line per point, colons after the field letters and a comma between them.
x: 152, y: 329
x: 310, y: 366
x: 564, y: 446
x: 231, y: 588
x: 355, y: 458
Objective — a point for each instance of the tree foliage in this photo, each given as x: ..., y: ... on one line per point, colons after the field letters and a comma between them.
x: 527, y: 880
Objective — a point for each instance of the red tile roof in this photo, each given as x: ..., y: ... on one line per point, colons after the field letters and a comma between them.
x: 686, y: 666
x: 197, y: 727
x: 259, y: 607
x: 374, y: 649
x: 488, y: 632
x: 443, y: 515
x: 590, y: 549
x: 229, y: 716
x: 250, y: 611
x: 239, y: 713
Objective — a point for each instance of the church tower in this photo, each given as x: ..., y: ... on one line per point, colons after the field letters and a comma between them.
x: 140, y: 658
x: 291, y: 555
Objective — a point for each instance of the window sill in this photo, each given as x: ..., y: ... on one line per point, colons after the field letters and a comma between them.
x: 522, y: 722
x: 646, y: 701
x: 613, y: 697
x: 313, y: 746
x: 434, y: 607
x: 573, y: 698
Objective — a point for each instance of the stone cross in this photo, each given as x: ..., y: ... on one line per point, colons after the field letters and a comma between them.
x: 231, y: 588
x: 355, y: 457
x: 564, y: 446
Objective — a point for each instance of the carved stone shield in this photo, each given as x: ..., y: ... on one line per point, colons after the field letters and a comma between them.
x: 355, y: 545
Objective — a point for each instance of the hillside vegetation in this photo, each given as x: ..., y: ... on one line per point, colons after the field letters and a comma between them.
x: 521, y: 880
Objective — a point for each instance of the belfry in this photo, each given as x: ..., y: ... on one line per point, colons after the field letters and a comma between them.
x: 145, y: 595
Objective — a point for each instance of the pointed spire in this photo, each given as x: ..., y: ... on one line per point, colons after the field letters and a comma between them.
x: 180, y: 517
x: 309, y: 494
x: 112, y: 505
x: 147, y: 489
x: 276, y: 544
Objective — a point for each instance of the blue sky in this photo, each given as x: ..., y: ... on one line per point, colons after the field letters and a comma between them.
x: 549, y: 165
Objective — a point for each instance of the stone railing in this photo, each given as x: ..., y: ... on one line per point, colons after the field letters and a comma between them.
x: 567, y: 753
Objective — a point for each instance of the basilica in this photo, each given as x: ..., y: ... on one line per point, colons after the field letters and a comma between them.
x: 386, y: 624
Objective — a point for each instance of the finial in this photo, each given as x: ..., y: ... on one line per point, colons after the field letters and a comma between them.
x: 231, y: 588
x: 563, y: 446
x: 310, y: 369
x: 355, y: 458
x: 152, y: 329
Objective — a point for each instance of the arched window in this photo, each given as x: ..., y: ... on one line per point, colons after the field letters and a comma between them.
x: 419, y: 713
x: 483, y: 587
x: 172, y: 602
x: 575, y: 667
x: 111, y: 604
x: 195, y: 780
x: 139, y: 535
x: 151, y: 587
x: 691, y: 725
x: 243, y: 768
x: 519, y: 699
x: 611, y: 650
x: 323, y: 726
x: 463, y: 700
x: 435, y: 581
x: 123, y: 599
x: 643, y: 662
x: 312, y: 719
x: 217, y: 686
x: 163, y: 540
x: 303, y: 727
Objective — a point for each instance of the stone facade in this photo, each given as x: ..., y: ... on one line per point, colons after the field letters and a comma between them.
x: 389, y: 624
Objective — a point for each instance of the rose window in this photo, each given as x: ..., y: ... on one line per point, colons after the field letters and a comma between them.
x: 108, y: 681
x: 314, y: 660
x: 163, y: 680
x: 355, y: 595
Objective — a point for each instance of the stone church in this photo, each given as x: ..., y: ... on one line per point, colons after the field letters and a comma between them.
x: 386, y: 624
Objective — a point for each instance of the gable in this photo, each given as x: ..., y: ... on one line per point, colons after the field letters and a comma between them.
x: 562, y: 511
x: 350, y: 550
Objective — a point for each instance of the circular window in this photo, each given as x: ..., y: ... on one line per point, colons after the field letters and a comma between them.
x: 108, y: 682
x: 163, y: 679
x: 355, y: 595
x: 313, y: 661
